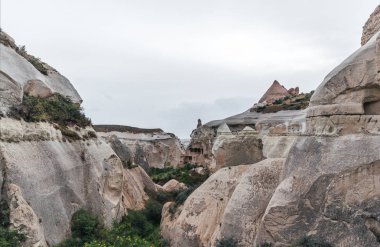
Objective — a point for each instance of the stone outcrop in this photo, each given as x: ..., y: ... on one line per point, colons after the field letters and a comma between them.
x: 320, y: 179
x: 173, y: 186
x: 275, y: 92
x: 144, y: 147
x: 46, y: 177
x: 228, y: 205
x: 372, y: 26
x: 18, y: 74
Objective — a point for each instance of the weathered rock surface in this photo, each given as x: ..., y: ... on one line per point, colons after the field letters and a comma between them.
x: 173, y: 186
x: 16, y: 73
x: 328, y: 187
x: 23, y: 218
x: 372, y: 26
x: 45, y: 176
x: 229, y: 204
x: 275, y: 92
x: 145, y: 147
x: 57, y: 177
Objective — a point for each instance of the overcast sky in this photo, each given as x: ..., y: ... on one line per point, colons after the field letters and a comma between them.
x: 151, y: 63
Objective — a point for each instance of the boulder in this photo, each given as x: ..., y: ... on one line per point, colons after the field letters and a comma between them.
x: 174, y: 186
x: 228, y: 205
x: 37, y: 88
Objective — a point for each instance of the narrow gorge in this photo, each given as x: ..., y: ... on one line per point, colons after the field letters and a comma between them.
x: 295, y: 169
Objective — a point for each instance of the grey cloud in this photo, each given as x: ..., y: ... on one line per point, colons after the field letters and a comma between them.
x: 166, y: 63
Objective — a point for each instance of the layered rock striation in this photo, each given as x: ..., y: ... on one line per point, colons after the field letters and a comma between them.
x: 145, y: 147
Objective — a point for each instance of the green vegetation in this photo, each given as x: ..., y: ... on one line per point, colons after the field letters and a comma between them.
x: 298, y: 102
x: 139, y: 228
x: 185, y: 174
x: 310, y: 241
x: 227, y: 242
x: 8, y: 237
x: 35, y: 61
x: 55, y: 109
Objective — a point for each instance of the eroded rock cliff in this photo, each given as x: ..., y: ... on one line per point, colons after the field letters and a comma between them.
x: 320, y: 179
x: 48, y: 170
x: 144, y: 147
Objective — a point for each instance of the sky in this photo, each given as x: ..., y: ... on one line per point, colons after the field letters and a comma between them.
x: 164, y: 64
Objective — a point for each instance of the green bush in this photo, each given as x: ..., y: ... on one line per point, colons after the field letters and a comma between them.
x: 84, y: 225
x: 138, y: 228
x: 36, y: 62
x: 153, y: 211
x: 185, y: 175
x: 129, y: 241
x: 55, y: 109
x: 227, y: 242
x: 8, y: 237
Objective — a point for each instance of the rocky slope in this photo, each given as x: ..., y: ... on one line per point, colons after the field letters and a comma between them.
x: 319, y: 179
x: 372, y: 26
x: 47, y: 176
x: 144, y: 147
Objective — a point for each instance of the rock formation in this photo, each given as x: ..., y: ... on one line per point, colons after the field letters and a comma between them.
x: 275, y: 92
x: 46, y: 177
x: 320, y: 178
x: 372, y: 26
x: 17, y: 75
x: 144, y: 147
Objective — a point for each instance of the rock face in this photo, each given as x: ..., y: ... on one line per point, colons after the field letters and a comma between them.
x: 275, y: 92
x: 229, y: 204
x: 58, y: 177
x: 372, y: 26
x: 18, y: 74
x: 45, y: 178
x: 320, y: 178
x: 144, y: 147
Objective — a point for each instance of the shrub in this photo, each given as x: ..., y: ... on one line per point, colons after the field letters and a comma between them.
x: 185, y: 175
x: 153, y: 211
x: 227, y: 242
x: 55, y: 109
x: 138, y: 228
x: 85, y: 226
x: 8, y: 237
x: 129, y: 241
